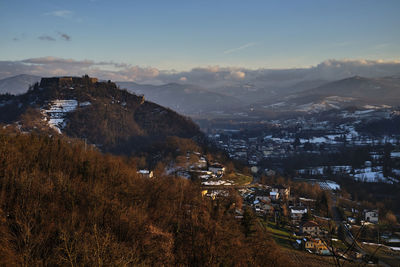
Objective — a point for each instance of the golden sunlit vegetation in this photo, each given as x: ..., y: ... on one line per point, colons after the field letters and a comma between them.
x: 62, y: 203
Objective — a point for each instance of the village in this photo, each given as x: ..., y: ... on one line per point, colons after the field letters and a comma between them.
x: 307, y: 215
x: 305, y: 207
x: 282, y: 141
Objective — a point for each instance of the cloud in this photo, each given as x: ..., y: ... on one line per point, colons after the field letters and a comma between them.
x: 338, y: 69
x: 358, y: 62
x: 233, y: 50
x: 46, y: 38
x: 329, y: 70
x: 65, y: 36
x: 64, y: 13
x: 55, y: 66
x: 59, y: 61
x: 213, y: 69
x: 207, y: 77
x: 238, y: 75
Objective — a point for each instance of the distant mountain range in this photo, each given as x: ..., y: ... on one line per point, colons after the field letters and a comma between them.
x: 183, y: 98
x: 355, y: 91
x: 312, y: 95
x: 17, y: 84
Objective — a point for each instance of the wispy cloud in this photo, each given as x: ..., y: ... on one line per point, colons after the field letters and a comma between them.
x: 54, y: 66
x: 46, y: 38
x: 64, y: 36
x: 64, y: 13
x: 233, y: 50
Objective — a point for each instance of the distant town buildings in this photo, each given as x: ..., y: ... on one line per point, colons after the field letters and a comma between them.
x: 286, y: 138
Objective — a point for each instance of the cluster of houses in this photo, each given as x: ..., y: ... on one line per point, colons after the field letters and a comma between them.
x: 197, y: 164
x: 289, y: 137
x: 266, y: 199
x: 270, y: 201
x: 366, y: 216
x: 194, y: 165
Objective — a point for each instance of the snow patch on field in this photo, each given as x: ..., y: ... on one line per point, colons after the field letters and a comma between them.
x: 395, y: 155
x: 372, y: 175
x: 84, y: 104
x: 329, y: 185
x: 56, y: 112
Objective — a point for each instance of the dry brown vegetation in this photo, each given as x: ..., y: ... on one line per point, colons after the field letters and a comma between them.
x: 117, y: 121
x: 63, y: 204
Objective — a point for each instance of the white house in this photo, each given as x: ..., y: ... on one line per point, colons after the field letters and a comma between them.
x: 371, y: 216
x: 296, y: 213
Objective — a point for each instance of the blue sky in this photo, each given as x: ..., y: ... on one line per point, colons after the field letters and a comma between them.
x: 182, y: 35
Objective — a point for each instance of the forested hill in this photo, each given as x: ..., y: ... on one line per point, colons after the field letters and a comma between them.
x: 99, y: 112
x: 64, y: 205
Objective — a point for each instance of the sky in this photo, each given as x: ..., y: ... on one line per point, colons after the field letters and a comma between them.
x: 181, y: 35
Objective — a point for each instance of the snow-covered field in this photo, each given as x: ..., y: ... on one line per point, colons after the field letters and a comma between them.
x: 395, y: 155
x: 367, y: 174
x: 370, y: 175
x: 329, y: 185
